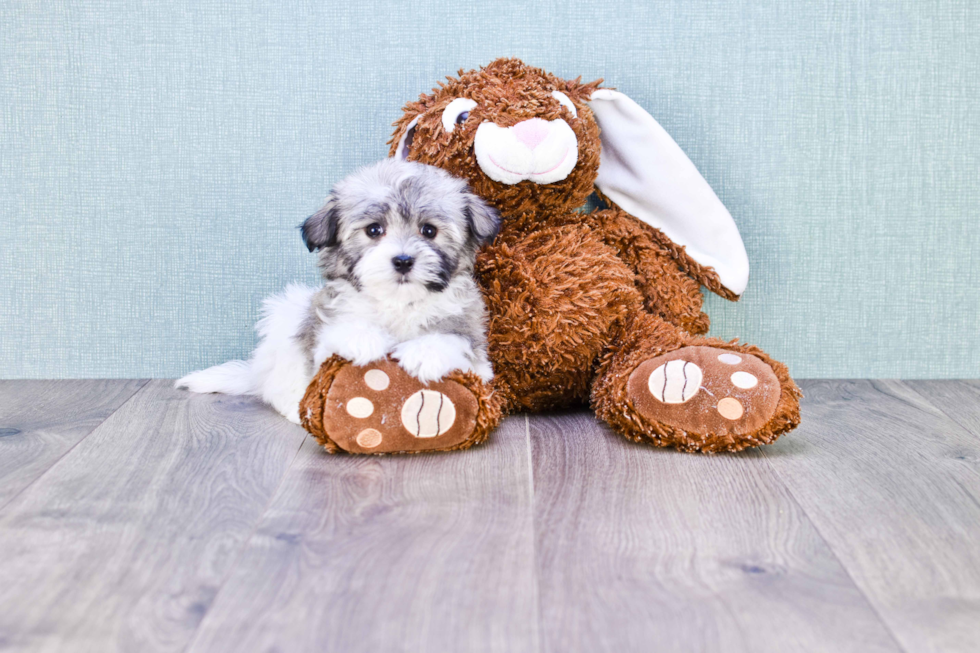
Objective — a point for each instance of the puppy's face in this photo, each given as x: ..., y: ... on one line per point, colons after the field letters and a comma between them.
x: 399, y: 230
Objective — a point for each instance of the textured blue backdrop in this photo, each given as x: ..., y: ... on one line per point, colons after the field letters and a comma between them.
x: 155, y: 158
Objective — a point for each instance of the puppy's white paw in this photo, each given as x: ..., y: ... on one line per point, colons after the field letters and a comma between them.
x: 293, y: 415
x: 367, y: 348
x: 430, y: 358
x: 284, y: 392
x: 361, y: 344
x: 484, y: 370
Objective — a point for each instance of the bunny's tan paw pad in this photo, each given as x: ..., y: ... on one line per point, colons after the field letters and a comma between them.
x: 380, y: 408
x: 706, y: 390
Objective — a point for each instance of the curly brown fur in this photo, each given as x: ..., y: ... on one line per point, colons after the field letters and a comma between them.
x: 550, y: 312
x: 576, y: 301
x: 313, y: 402
x: 706, y: 277
x: 667, y: 290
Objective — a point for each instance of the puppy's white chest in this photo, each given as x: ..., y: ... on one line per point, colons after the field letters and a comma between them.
x: 403, y: 321
x: 406, y: 323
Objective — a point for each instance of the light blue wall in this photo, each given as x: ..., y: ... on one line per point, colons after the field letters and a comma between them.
x: 155, y: 158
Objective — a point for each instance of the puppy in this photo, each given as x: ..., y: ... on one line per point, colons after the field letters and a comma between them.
x: 397, y: 242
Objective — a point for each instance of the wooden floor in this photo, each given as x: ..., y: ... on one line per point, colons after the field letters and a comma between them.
x: 134, y: 517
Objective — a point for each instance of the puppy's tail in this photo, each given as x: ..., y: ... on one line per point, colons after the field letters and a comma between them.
x: 231, y: 378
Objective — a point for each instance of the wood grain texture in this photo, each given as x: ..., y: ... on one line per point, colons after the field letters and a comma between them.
x: 431, y: 552
x: 188, y: 522
x: 643, y: 549
x: 124, y: 543
x: 41, y: 420
x: 958, y: 400
x: 893, y: 484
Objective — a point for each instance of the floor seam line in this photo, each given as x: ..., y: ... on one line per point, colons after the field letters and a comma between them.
x: 953, y: 419
x: 95, y: 428
x: 535, y: 586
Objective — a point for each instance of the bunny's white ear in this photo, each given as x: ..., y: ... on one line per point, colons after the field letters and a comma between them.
x: 405, y: 142
x: 647, y: 175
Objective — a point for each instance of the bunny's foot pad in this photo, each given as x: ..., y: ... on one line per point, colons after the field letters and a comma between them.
x: 380, y: 408
x: 706, y: 390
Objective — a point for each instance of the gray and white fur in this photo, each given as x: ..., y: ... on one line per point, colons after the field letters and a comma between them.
x: 397, y: 242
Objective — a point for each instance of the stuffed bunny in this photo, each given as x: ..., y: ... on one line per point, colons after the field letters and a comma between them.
x: 600, y: 308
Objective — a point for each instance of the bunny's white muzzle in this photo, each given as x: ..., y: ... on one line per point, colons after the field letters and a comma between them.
x: 543, y: 151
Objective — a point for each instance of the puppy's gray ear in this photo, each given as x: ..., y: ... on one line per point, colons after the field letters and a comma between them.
x: 320, y: 229
x: 483, y: 219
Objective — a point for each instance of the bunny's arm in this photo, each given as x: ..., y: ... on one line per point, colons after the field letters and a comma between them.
x: 669, y: 279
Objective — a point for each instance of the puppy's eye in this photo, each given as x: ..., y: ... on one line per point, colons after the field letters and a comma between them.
x: 565, y: 102
x: 374, y: 230
x: 456, y: 113
x: 429, y: 231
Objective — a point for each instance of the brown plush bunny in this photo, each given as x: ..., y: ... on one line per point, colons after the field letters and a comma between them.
x: 600, y: 308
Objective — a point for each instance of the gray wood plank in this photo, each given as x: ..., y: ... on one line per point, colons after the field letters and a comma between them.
x: 958, y: 400
x: 431, y: 552
x: 124, y: 543
x: 893, y: 485
x: 643, y: 549
x: 41, y: 420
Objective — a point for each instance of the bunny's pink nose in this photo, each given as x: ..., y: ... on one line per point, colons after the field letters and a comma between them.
x: 531, y: 132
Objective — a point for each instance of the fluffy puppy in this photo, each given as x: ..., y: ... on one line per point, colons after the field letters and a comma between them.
x: 397, y: 242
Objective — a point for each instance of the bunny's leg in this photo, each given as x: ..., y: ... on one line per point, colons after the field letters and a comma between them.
x: 662, y: 385
x: 379, y: 408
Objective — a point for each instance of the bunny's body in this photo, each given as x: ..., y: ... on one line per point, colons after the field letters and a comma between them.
x: 581, y: 301
x: 600, y: 308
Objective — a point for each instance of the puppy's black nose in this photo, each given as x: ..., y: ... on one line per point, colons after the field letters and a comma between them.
x: 403, y: 263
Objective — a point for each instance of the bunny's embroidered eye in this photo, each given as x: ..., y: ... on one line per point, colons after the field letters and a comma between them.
x: 456, y: 113
x: 565, y: 102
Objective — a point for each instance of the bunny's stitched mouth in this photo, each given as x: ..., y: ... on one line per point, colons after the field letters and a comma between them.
x: 562, y: 160
x: 508, y: 156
